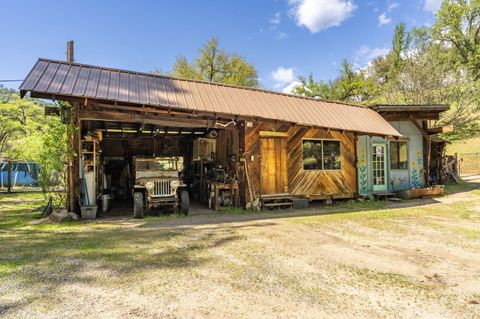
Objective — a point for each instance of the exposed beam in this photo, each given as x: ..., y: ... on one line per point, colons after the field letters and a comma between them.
x: 424, y: 133
x: 405, y: 116
x: 160, y: 116
x: 442, y: 129
x: 139, y: 118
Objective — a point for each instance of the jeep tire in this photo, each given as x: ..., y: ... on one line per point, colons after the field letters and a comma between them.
x: 138, y: 205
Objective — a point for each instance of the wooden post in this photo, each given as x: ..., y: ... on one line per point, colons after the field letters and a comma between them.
x: 457, y: 165
x: 429, y: 157
x: 9, y: 177
x: 70, y: 198
x: 355, y: 141
x: 427, y: 144
x: 73, y: 142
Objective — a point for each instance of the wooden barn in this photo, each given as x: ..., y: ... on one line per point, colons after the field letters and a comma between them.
x: 262, y: 144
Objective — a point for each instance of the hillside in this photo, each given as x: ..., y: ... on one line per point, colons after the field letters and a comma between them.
x: 467, y: 145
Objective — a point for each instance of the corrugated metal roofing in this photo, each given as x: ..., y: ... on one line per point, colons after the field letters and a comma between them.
x: 58, y: 78
x: 410, y: 108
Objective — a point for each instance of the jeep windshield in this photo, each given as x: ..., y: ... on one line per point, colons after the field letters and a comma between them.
x: 156, y: 165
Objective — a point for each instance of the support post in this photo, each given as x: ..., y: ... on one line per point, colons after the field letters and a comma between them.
x: 9, y: 177
x: 429, y: 158
x: 427, y: 145
x: 73, y: 145
x: 355, y: 141
x: 457, y: 165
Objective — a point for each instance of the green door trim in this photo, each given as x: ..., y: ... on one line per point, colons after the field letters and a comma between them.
x: 379, y: 166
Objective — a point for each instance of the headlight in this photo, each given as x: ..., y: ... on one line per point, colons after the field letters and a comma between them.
x: 149, y: 185
x: 174, y: 184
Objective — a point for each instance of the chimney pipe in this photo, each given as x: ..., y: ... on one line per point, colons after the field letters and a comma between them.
x: 70, y: 52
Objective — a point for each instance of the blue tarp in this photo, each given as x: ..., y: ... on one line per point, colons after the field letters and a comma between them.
x: 23, y: 174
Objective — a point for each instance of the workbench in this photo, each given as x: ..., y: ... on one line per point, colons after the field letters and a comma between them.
x: 218, y: 187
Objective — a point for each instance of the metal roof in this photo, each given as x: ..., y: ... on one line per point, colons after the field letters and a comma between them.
x: 57, y: 79
x: 410, y: 108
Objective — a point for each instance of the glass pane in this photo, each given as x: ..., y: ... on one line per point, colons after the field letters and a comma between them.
x: 331, y: 155
x: 378, y: 164
x: 398, y: 155
x: 403, y: 156
x: 312, y: 154
x: 156, y: 164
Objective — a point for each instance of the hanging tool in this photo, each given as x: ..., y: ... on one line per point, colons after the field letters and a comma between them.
x: 254, y: 201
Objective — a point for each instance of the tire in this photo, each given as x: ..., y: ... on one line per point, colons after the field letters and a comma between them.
x: 138, y: 205
x: 184, y: 202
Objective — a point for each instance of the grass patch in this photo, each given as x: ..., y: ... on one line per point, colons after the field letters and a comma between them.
x: 465, y: 145
x: 376, y: 278
x: 376, y: 215
x: 227, y: 258
x: 466, y: 233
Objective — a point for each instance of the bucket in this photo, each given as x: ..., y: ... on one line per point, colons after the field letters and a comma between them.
x: 106, y: 202
x: 88, y: 212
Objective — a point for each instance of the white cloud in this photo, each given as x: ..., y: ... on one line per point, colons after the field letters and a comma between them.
x: 383, y: 19
x: 365, y: 55
x: 281, y: 35
x: 392, y: 6
x: 276, y: 18
x: 432, y: 5
x: 318, y: 15
x: 283, y: 76
x: 285, y: 79
x: 289, y: 88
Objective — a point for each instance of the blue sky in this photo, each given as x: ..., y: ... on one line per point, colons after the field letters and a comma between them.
x: 282, y: 38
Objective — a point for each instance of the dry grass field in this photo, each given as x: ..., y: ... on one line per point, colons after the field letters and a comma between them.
x: 467, y: 145
x: 412, y: 259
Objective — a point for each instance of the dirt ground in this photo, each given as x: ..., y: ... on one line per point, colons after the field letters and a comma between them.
x: 412, y: 259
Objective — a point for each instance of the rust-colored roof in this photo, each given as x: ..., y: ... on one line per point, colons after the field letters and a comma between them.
x: 411, y: 108
x: 57, y: 79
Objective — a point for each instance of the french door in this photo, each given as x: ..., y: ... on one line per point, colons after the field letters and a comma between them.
x: 379, y: 167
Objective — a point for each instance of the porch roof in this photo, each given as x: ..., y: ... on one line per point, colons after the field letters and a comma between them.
x: 59, y: 80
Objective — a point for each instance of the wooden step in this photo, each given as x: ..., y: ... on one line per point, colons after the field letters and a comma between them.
x: 278, y: 204
x: 273, y: 196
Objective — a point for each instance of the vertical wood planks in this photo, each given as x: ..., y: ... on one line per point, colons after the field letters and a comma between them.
x: 297, y: 181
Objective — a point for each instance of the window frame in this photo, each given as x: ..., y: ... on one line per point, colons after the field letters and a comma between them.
x: 398, y: 156
x: 323, y: 155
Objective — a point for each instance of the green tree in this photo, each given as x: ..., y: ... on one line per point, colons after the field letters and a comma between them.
x: 19, y: 118
x: 457, y: 27
x: 309, y: 87
x: 350, y: 85
x: 26, y: 134
x: 214, y: 64
x: 52, y: 158
x: 353, y: 85
x: 400, y: 45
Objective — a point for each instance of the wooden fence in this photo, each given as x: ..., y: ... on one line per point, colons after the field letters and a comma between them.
x: 469, y: 164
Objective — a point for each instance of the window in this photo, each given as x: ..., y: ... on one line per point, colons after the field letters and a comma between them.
x: 156, y: 164
x: 398, y: 155
x: 321, y: 155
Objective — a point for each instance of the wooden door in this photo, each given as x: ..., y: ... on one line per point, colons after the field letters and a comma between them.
x: 273, y: 170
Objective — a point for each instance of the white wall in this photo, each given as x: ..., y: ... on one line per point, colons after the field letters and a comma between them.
x: 398, y: 178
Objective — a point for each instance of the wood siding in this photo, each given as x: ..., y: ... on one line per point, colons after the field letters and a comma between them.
x: 273, y: 170
x: 315, y: 184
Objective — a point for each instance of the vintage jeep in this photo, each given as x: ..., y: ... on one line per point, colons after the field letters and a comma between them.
x: 158, y: 184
